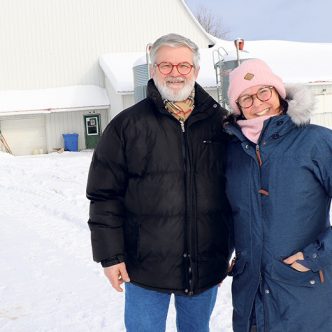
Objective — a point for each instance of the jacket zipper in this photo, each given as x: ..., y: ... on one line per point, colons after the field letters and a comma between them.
x: 261, y: 281
x: 182, y: 125
x: 186, y: 254
x: 258, y: 155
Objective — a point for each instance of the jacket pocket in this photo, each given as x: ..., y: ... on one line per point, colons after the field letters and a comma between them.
x: 286, y: 274
x: 211, y: 154
x: 213, y: 141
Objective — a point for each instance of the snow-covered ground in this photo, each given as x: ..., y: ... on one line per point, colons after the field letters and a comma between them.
x: 48, y: 281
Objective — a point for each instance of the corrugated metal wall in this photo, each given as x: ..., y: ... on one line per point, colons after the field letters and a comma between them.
x: 25, y: 134
x: 323, y: 111
x: 51, y: 43
x: 68, y: 123
x: 324, y: 120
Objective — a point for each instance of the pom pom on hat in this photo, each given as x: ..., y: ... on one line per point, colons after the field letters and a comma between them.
x: 250, y: 73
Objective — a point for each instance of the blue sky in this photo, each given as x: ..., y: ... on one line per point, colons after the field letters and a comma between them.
x: 294, y: 20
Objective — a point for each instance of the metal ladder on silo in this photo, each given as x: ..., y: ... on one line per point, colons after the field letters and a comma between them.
x: 217, y: 60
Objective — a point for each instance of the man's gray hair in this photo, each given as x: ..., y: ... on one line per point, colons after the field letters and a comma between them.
x: 174, y: 40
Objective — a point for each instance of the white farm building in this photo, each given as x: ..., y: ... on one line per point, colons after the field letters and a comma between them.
x: 67, y: 66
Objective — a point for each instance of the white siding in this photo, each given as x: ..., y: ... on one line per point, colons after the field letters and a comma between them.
x: 51, y: 43
x: 323, y: 110
x: 68, y: 123
x: 116, y: 100
x: 324, y: 120
x: 128, y: 100
x: 24, y: 134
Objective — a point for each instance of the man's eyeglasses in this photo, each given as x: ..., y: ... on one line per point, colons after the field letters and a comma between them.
x: 263, y: 94
x: 183, y: 68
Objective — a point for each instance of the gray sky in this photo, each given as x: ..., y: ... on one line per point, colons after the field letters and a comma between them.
x: 294, y: 20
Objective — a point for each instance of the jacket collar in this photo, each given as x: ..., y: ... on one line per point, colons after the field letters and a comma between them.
x: 301, y: 103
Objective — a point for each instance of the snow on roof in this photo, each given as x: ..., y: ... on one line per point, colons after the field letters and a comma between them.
x: 118, y: 68
x: 50, y: 100
x: 294, y: 62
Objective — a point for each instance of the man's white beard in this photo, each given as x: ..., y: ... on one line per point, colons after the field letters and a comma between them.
x: 169, y: 94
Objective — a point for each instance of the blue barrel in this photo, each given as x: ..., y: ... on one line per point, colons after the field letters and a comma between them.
x: 70, y: 142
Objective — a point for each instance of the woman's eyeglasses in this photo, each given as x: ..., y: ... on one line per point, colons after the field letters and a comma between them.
x: 263, y: 94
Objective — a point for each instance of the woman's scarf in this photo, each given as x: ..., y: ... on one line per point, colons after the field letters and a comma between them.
x: 252, y: 128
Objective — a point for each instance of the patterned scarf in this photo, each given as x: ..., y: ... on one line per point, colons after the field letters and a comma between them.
x: 181, y: 109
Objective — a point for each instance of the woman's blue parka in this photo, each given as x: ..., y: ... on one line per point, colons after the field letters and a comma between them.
x: 281, y: 206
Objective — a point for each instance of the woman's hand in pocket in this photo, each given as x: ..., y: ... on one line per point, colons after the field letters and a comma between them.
x: 292, y: 261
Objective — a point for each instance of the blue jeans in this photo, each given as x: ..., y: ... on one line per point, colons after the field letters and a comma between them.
x: 146, y: 310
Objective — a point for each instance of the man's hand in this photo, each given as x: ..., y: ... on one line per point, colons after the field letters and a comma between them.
x: 291, y: 260
x: 117, y: 275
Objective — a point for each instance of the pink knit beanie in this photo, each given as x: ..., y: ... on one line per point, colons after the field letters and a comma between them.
x: 250, y: 73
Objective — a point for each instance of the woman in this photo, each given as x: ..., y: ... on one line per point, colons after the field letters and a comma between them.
x: 279, y: 183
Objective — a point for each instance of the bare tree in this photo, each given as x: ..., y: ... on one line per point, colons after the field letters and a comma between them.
x: 210, y: 22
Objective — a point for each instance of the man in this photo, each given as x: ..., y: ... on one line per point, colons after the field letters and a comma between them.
x: 159, y: 217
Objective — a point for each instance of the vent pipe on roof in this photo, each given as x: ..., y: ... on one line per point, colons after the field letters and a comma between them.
x: 239, y: 43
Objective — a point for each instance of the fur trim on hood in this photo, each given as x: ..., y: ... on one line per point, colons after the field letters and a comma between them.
x: 301, y: 103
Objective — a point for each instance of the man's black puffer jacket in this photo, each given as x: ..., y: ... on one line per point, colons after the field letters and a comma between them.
x: 157, y: 196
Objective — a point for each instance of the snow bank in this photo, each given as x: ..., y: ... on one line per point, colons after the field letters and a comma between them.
x: 48, y: 279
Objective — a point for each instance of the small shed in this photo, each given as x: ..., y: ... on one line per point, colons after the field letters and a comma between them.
x: 34, y: 121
